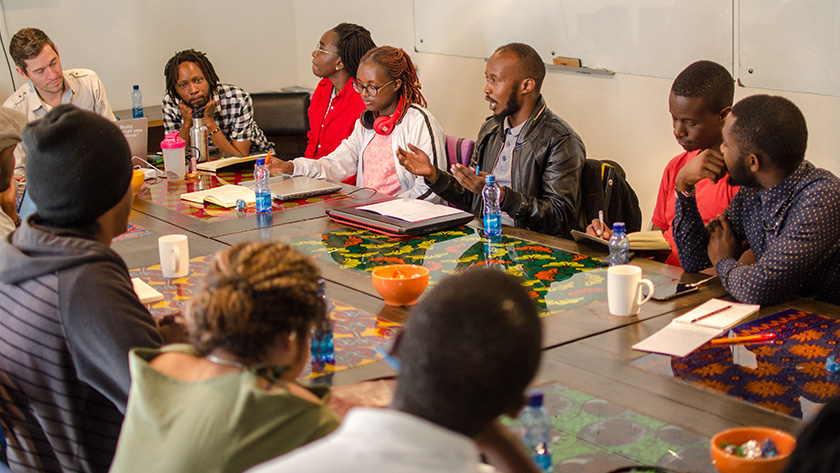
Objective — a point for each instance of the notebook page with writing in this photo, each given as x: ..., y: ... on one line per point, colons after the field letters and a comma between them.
x: 681, y: 336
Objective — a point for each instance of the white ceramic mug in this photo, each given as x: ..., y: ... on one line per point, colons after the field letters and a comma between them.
x: 624, y: 289
x: 174, y: 256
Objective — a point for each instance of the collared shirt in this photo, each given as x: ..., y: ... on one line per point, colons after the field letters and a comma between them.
x: 502, y: 168
x: 234, y: 116
x: 82, y: 88
x: 331, y: 120
x: 383, y: 440
x: 793, y: 228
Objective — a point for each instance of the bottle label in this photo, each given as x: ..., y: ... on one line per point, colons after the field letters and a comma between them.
x: 492, y: 224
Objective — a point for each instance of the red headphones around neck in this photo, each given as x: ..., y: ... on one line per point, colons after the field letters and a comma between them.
x: 383, y: 125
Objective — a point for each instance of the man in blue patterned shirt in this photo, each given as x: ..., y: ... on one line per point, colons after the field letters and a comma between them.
x: 192, y: 84
x: 787, y: 210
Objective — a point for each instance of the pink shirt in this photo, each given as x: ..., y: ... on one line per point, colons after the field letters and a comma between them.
x: 712, y: 199
x: 380, y: 171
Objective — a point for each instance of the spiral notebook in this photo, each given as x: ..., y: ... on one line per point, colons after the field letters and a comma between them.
x: 691, y: 330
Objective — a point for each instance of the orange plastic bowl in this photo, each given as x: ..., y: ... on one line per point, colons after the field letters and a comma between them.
x: 728, y: 463
x: 400, y: 284
x: 137, y: 178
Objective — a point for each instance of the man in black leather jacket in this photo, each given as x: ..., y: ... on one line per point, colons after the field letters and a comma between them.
x: 541, y: 183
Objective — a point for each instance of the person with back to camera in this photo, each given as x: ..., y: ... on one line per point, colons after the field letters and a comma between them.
x: 69, y: 312
x: 230, y: 400
x: 336, y: 105
x: 457, y: 376
x: 395, y: 118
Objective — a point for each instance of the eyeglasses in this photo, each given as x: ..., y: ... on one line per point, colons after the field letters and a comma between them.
x: 372, y: 90
x: 185, y: 84
x: 322, y: 51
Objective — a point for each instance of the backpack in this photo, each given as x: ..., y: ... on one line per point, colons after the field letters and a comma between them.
x: 604, y: 187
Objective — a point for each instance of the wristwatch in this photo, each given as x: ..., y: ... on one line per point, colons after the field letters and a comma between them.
x: 689, y: 193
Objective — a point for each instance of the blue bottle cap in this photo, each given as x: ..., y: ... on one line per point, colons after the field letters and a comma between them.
x: 489, y: 179
x: 261, y: 161
x: 136, y: 87
x: 535, y: 399
x: 618, y: 227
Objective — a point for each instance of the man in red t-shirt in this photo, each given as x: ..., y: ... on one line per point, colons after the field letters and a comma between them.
x: 700, y: 99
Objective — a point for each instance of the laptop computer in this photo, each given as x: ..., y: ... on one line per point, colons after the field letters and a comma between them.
x: 136, y: 132
x: 287, y: 187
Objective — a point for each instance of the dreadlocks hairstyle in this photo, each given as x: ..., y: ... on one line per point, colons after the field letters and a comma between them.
x: 26, y: 44
x: 188, y: 55
x: 398, y: 65
x: 254, y: 292
x: 354, y: 42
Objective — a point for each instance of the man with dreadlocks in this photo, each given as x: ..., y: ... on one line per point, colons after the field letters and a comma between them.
x: 535, y: 155
x: 192, y: 84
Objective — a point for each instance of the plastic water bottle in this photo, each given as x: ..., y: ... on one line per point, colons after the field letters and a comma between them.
x: 536, y: 431
x: 321, y: 340
x: 492, y: 206
x: 619, y: 245
x: 136, y: 102
x: 261, y: 189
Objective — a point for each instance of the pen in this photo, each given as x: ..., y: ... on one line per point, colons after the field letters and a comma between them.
x: 476, y: 169
x: 745, y: 339
x: 392, y: 362
x: 601, y: 220
x: 717, y: 311
x: 700, y: 282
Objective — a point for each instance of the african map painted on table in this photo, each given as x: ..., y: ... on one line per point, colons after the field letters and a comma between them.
x: 593, y: 435
x: 168, y: 194
x: 557, y: 280
x: 786, y: 375
x: 356, y: 333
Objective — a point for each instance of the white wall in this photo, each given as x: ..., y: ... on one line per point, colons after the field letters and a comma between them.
x: 266, y: 44
x: 129, y: 42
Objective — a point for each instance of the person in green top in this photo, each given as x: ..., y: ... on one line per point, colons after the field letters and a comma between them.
x: 229, y: 401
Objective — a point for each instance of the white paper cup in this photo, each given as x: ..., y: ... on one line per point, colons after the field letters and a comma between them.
x: 174, y: 256
x: 624, y: 289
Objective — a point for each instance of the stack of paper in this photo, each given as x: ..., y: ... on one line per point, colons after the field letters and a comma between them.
x: 689, y: 331
x: 225, y: 196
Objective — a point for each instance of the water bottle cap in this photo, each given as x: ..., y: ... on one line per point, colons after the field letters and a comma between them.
x: 172, y: 140
x: 489, y: 179
x: 618, y: 227
x: 136, y: 87
x: 261, y: 161
x: 535, y: 399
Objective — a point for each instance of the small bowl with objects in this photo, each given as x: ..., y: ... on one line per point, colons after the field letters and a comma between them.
x: 751, y: 450
x: 400, y: 284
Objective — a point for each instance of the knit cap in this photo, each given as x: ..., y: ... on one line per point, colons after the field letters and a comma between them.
x: 11, y: 123
x: 78, y: 165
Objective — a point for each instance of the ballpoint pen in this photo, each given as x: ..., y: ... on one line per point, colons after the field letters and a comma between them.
x: 476, y: 169
x: 716, y: 311
x: 601, y: 220
x: 700, y: 282
x: 745, y: 339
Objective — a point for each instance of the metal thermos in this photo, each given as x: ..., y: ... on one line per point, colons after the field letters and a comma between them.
x: 198, y: 135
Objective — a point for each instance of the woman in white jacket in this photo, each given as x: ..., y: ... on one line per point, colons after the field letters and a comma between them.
x: 395, y: 117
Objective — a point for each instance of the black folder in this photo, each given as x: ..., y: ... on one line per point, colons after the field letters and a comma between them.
x: 391, y: 226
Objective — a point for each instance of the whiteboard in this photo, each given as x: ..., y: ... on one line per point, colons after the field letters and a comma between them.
x: 645, y: 37
x: 790, y: 45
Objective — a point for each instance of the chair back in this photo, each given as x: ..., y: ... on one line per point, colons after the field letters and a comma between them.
x: 282, y: 116
x: 458, y: 150
x: 604, y: 187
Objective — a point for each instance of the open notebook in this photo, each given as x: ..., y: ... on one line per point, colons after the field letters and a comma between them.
x: 689, y: 331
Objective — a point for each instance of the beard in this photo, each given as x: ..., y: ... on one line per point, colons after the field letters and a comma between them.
x: 739, y: 174
x: 511, y: 107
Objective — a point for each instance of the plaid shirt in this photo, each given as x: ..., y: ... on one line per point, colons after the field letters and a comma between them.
x: 234, y: 115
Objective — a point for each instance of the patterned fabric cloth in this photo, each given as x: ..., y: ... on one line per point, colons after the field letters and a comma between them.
x: 379, y: 163
x: 793, y: 228
x: 234, y: 115
x: 712, y: 199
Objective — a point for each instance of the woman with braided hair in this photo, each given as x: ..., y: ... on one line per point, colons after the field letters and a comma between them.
x: 229, y: 400
x: 394, y: 118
